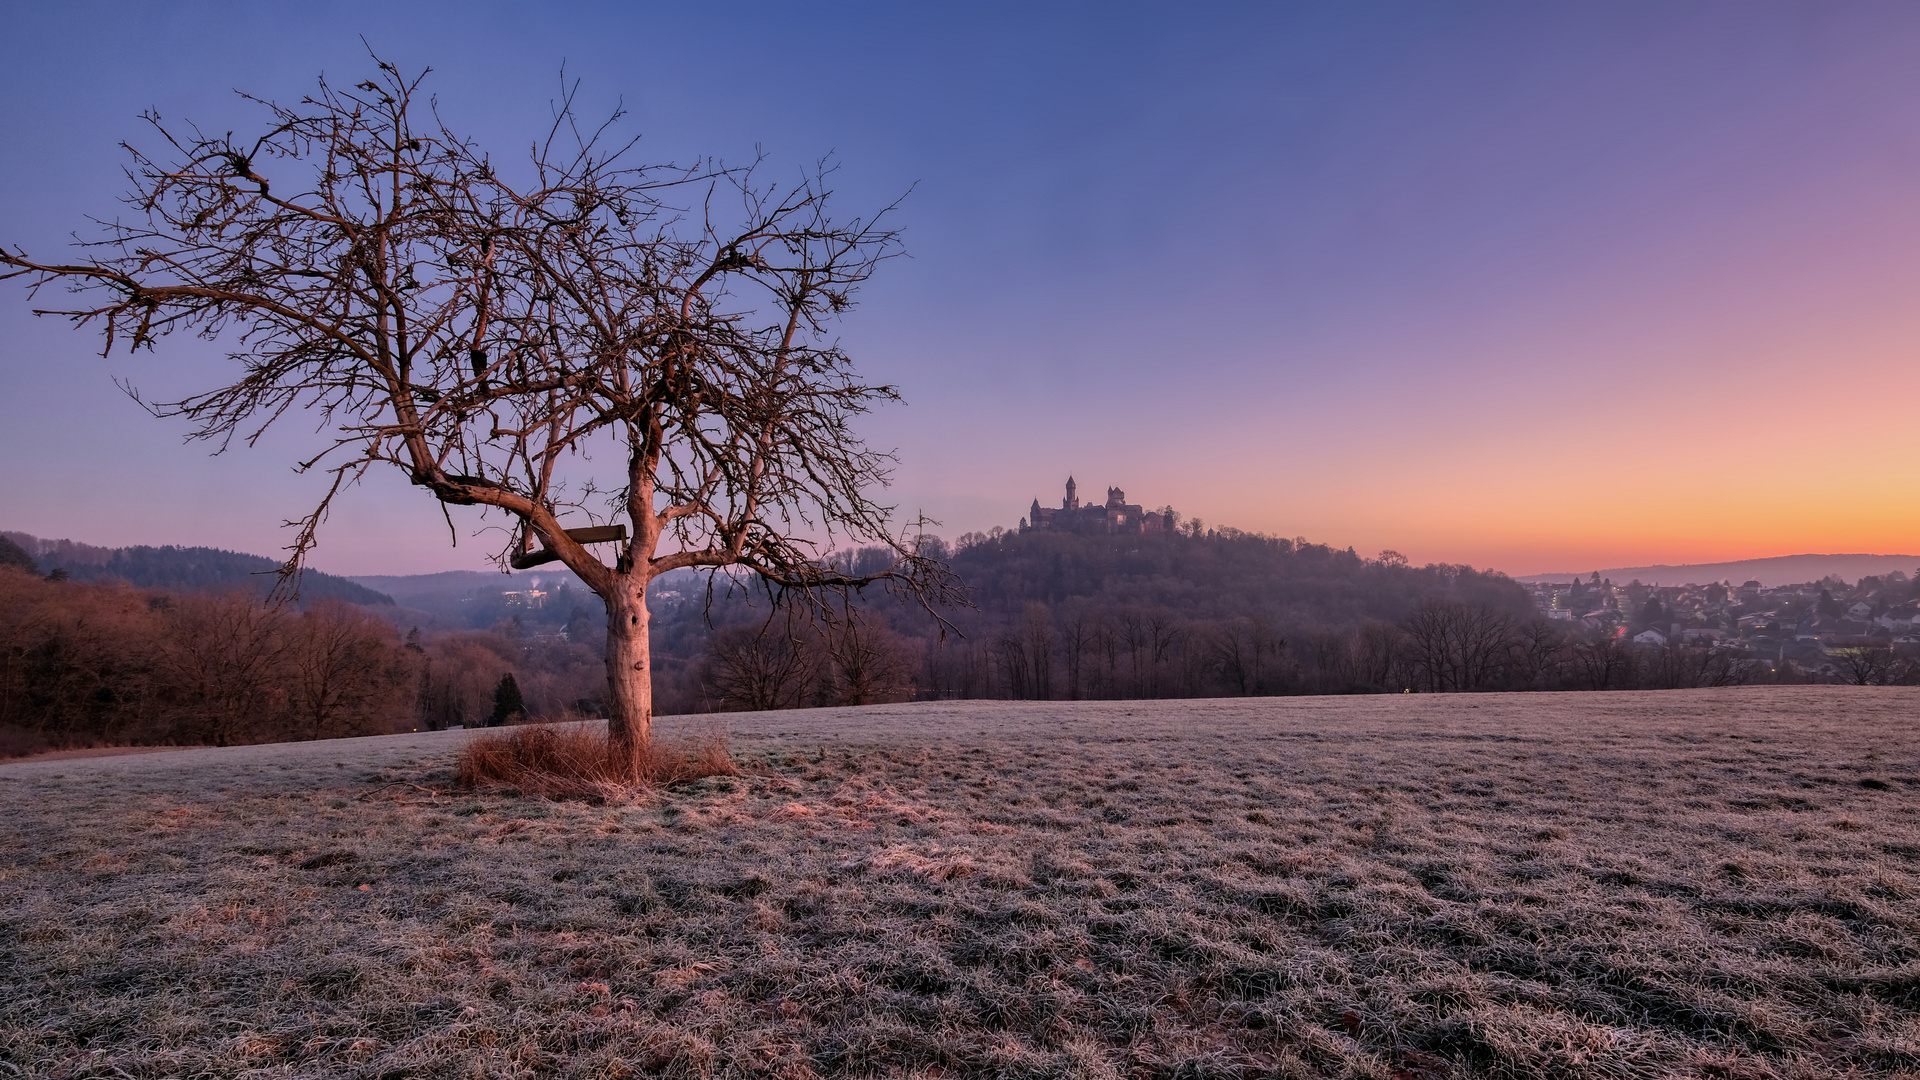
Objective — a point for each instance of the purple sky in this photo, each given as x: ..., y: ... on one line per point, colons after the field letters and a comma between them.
x: 1543, y: 287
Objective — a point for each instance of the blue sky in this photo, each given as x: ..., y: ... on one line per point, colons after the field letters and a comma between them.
x: 1543, y: 287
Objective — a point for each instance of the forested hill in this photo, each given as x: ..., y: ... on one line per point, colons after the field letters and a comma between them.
x: 185, y: 569
x: 1218, y: 575
x: 1181, y: 614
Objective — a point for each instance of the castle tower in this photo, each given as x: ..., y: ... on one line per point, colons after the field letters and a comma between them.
x: 1072, y: 502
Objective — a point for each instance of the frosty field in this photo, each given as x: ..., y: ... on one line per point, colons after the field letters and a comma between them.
x: 1717, y: 883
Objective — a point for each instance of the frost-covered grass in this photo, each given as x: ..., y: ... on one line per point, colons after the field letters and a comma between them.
x: 1710, y: 883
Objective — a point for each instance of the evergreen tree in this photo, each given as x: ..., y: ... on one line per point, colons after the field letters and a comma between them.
x: 508, y: 706
x: 1653, y: 614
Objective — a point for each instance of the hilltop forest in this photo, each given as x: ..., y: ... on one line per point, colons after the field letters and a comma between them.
x: 1205, y: 613
x: 1068, y: 616
x: 182, y: 569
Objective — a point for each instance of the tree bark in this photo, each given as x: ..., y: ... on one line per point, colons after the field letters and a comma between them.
x: 629, y: 677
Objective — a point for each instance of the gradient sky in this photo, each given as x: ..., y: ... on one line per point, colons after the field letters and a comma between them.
x: 1541, y: 287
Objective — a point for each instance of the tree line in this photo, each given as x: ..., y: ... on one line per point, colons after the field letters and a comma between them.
x: 1054, y: 617
x: 1210, y: 613
x: 180, y: 569
x: 108, y: 664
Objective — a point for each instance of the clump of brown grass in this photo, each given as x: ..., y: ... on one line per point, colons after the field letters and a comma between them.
x: 575, y: 760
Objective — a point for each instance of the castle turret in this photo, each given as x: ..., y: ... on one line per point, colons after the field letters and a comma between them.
x: 1072, y: 501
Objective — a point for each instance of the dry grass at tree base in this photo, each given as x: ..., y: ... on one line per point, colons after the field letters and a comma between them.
x: 1707, y: 883
x: 576, y: 760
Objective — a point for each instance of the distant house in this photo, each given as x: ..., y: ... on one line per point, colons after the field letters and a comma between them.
x: 1650, y: 637
x: 1860, y: 612
x: 1898, y: 619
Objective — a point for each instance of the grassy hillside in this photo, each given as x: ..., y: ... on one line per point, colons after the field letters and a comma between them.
x: 1706, y: 884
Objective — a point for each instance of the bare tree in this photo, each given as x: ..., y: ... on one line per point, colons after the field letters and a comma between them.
x: 868, y: 663
x: 1724, y: 667
x: 345, y: 672
x: 1538, y: 648
x: 1332, y: 657
x: 222, y: 655
x: 1165, y: 632
x: 1230, y: 652
x: 765, y: 666
x: 1242, y: 650
x: 1865, y: 665
x: 1606, y: 662
x: 1010, y: 650
x: 1378, y: 650
x: 1456, y: 646
x: 1106, y: 642
x: 1080, y: 630
x: 493, y: 330
x: 1040, y: 637
x: 1133, y: 631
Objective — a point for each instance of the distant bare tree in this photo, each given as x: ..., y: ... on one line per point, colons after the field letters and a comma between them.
x: 223, y: 655
x: 1864, y: 665
x: 1023, y: 651
x: 1605, y: 662
x: 1669, y: 667
x: 1458, y: 646
x: 1231, y: 655
x: 1132, y: 628
x: 345, y: 671
x: 458, y: 674
x: 1243, y: 651
x: 1268, y: 648
x: 1010, y: 650
x: 1079, y: 637
x: 492, y: 330
x: 1537, y: 651
x: 1379, y: 654
x: 1038, y: 630
x: 769, y: 665
x: 869, y: 664
x: 1724, y: 667
x: 1332, y: 660
x: 1165, y: 632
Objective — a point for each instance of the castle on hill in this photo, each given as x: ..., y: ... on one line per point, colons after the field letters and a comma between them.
x: 1116, y: 516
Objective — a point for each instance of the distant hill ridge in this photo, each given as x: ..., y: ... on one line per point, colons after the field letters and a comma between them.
x: 1770, y: 572
x: 183, y: 569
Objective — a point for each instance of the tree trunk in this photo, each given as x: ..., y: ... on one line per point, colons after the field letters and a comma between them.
x: 629, y: 676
